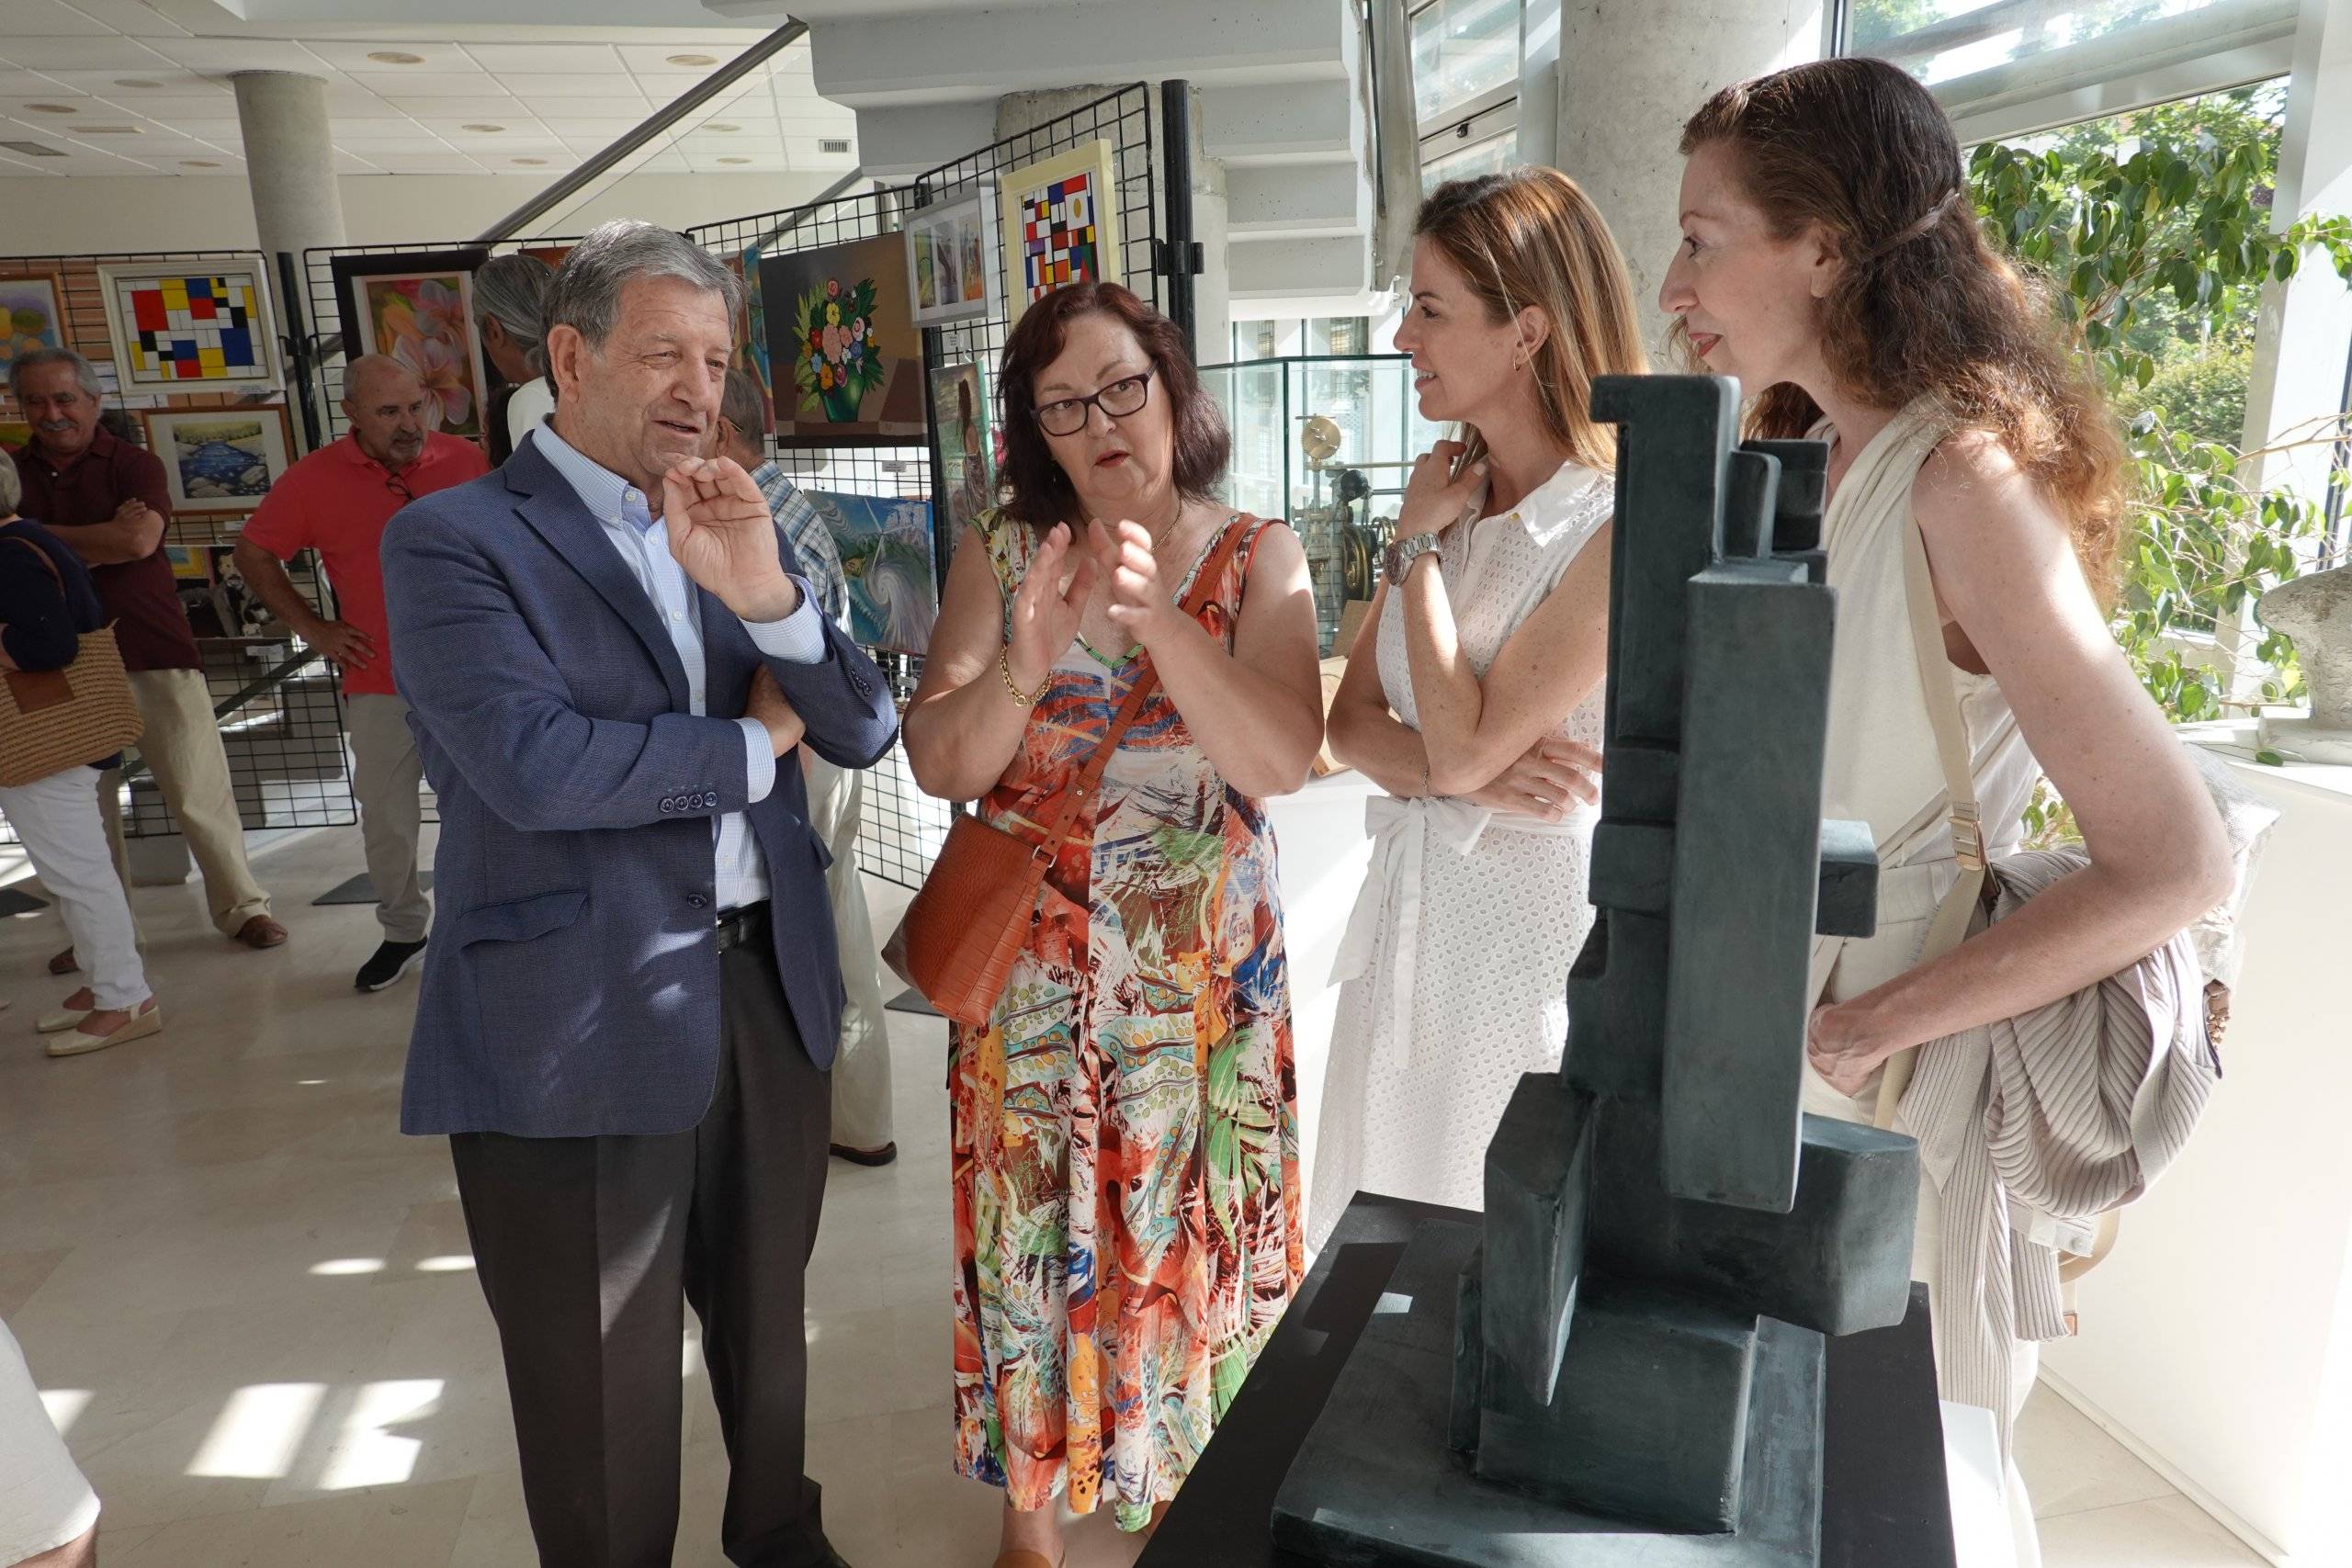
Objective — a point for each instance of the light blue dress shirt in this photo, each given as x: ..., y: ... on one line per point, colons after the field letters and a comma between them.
x: 798, y: 638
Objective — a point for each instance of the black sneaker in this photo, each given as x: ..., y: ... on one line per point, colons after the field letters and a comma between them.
x: 392, y: 961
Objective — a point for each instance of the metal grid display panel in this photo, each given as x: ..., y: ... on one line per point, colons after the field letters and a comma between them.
x: 902, y: 828
x: 285, y: 743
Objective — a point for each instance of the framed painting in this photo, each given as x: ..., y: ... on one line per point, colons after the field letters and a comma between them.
x: 1061, y: 224
x: 952, y: 259
x: 16, y: 434
x: 30, y: 316
x: 964, y: 441
x: 191, y: 326
x: 751, y: 329
x: 220, y: 459
x: 844, y: 353
x: 418, y: 307
x: 189, y: 563
x: 884, y: 545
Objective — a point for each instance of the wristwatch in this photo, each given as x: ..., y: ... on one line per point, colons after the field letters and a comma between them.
x: 1403, y: 553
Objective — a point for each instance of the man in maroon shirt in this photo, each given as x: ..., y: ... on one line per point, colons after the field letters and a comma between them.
x: 105, y: 499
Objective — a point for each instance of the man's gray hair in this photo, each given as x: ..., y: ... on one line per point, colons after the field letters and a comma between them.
x: 586, y: 294
x: 743, y: 406
x: 83, y: 371
x: 12, y: 485
x: 514, y: 289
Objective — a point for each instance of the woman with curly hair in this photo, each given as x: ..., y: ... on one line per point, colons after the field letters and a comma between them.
x: 1831, y: 261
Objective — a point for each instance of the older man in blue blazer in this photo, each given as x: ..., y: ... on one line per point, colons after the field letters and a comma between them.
x: 631, y: 1001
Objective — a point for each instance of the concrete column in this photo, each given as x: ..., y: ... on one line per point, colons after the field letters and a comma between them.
x: 289, y: 160
x: 1626, y: 85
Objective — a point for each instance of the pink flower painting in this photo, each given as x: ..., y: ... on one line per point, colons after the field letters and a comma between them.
x: 426, y: 324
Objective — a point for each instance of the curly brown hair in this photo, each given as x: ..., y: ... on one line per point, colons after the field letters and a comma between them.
x: 1037, y: 489
x: 1924, y: 302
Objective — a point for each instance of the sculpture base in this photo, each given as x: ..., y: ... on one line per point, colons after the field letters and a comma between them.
x: 1374, y: 1485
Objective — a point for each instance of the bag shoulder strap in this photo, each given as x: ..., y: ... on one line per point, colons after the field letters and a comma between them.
x: 1950, y: 926
x: 1089, y: 777
x: 45, y: 561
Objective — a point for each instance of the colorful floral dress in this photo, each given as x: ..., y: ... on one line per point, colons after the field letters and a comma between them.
x: 1125, y: 1128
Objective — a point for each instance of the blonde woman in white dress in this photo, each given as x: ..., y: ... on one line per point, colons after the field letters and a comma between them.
x: 1472, y: 696
x: 1830, y: 260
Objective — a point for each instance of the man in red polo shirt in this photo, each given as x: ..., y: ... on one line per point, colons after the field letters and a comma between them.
x: 336, y: 501
x: 105, y: 499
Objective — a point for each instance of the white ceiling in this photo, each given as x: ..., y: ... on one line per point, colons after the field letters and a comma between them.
x: 556, y: 95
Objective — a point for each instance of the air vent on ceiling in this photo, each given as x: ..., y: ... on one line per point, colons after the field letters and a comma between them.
x: 33, y: 149
x: 110, y: 131
x: 833, y: 145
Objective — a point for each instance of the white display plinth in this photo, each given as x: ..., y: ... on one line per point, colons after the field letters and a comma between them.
x: 1319, y: 836
x: 2216, y: 1342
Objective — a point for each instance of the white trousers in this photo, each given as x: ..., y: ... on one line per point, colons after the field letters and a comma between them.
x: 385, y: 773
x: 58, y: 820
x: 45, y: 1503
x: 862, y: 1067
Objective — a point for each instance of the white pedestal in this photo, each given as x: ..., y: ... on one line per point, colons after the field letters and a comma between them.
x: 2217, y: 1341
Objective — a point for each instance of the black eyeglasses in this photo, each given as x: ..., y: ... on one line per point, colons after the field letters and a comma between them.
x: 398, y: 487
x: 1122, y: 398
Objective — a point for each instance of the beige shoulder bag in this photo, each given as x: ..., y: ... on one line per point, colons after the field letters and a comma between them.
x: 54, y: 719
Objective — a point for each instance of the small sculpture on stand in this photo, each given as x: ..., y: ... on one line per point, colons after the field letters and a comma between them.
x: 2316, y: 613
x: 1622, y: 1368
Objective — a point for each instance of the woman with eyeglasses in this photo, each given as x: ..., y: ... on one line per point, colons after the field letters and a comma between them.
x: 1125, y: 1127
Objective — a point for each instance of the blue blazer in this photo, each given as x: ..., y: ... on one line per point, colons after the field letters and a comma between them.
x: 571, y: 989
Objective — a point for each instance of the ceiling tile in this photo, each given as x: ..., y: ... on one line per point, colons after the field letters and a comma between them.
x: 537, y: 59
x: 166, y: 106
x: 135, y: 18
x: 351, y: 54
x: 653, y: 59
x: 427, y: 83
x: 16, y: 83
x: 512, y: 128
x: 598, y: 129
x: 220, y: 132
x: 615, y: 85
x: 428, y: 163
x: 51, y: 18
x: 84, y: 54
x: 370, y: 146
x: 501, y: 109
x: 171, y: 81
x: 352, y: 164
x: 665, y: 163
x: 220, y: 55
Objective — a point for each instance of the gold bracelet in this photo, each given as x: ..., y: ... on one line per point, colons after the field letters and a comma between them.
x: 1026, y: 699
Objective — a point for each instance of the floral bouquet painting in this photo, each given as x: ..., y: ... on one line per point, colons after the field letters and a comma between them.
x: 839, y: 361
x: 846, y: 353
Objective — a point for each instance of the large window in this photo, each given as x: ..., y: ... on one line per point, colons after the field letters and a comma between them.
x: 1465, y: 87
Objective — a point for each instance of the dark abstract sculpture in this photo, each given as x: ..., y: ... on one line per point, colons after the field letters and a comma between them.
x: 1625, y: 1366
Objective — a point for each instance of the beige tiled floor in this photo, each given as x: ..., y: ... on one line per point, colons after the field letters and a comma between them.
x: 249, y: 1300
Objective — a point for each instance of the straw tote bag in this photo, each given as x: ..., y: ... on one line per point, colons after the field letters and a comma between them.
x: 973, y: 913
x: 54, y: 719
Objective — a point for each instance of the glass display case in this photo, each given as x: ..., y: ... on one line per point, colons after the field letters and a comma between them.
x: 1325, y: 441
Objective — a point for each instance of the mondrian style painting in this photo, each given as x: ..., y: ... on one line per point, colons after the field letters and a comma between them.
x: 176, y: 327
x: 1060, y: 224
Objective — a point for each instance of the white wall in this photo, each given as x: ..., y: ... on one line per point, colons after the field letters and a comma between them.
x: 79, y: 217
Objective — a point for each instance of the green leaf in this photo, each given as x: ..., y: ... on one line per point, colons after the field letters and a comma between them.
x: 2270, y: 758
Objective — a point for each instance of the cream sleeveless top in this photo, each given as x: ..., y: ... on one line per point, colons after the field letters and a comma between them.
x: 1881, y: 765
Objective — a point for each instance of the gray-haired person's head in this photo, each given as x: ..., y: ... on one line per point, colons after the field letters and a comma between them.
x: 22, y: 367
x: 12, y: 487
x: 511, y: 292
x: 641, y: 334
x: 586, y: 293
x: 745, y: 407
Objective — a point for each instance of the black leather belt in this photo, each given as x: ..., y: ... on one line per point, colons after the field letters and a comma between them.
x: 744, y: 926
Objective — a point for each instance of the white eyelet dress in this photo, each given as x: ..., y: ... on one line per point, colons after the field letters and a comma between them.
x: 1454, y: 966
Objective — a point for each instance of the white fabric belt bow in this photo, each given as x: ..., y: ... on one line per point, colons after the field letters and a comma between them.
x: 1400, y: 831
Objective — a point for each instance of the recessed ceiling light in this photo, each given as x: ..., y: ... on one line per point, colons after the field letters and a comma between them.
x: 693, y: 59
x: 136, y: 81
x: 734, y: 159
x: 721, y: 124
x: 486, y: 130
x: 394, y: 57
x: 198, y: 164
x: 53, y: 108
x: 532, y: 163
